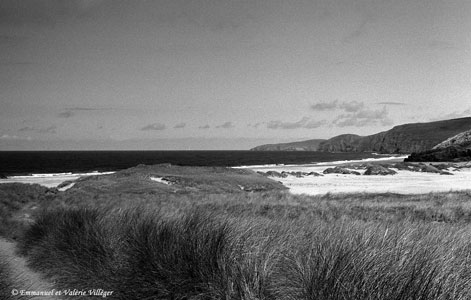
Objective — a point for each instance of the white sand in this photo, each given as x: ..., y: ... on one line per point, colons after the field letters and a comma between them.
x: 50, y: 180
x: 404, y: 182
x: 160, y: 180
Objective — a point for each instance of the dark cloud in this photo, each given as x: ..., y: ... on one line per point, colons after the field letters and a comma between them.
x: 154, y: 126
x: 226, y: 125
x: 204, y: 127
x: 391, y: 103
x: 364, y: 118
x: 305, y: 122
x: 180, y: 125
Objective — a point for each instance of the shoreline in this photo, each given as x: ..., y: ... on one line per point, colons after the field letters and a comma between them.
x: 403, y: 182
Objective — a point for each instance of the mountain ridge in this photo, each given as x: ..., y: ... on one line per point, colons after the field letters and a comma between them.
x: 406, y: 138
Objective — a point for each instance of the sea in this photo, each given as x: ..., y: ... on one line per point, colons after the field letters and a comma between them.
x: 31, y: 163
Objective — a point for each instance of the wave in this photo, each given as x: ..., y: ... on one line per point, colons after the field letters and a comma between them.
x: 58, y: 175
x: 339, y: 162
x: 328, y: 163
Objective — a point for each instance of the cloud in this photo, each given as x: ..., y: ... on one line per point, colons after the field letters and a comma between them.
x: 49, y: 130
x: 365, y: 117
x: 226, y: 125
x: 84, y: 108
x: 352, y: 106
x: 154, y: 126
x: 70, y: 112
x: 65, y: 114
x: 391, y: 103
x: 204, y: 127
x: 180, y: 125
x: 14, y: 137
x: 305, y: 122
x: 322, y: 106
x: 348, y: 106
x: 256, y: 125
x: 26, y: 128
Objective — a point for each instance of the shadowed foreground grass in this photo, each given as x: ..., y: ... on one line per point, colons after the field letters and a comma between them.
x: 148, y: 254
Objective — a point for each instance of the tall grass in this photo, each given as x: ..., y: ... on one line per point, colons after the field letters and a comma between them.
x: 149, y: 254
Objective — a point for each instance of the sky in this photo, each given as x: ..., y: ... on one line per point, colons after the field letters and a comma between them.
x: 226, y: 74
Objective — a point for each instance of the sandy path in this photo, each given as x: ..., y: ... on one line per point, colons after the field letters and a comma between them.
x: 21, y: 275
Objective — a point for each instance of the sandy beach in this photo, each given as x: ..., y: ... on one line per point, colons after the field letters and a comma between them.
x: 404, y: 182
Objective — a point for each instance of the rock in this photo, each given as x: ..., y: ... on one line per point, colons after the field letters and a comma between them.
x: 298, y: 174
x: 315, y: 174
x: 339, y: 170
x: 432, y: 169
x: 276, y: 174
x: 379, y: 170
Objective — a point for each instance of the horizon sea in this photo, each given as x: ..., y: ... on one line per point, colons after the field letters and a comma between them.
x: 21, y: 163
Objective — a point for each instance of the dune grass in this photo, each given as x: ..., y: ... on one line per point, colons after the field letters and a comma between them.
x: 144, y: 254
x: 270, y: 245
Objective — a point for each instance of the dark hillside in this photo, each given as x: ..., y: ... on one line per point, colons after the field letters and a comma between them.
x: 407, y: 138
x: 309, y: 145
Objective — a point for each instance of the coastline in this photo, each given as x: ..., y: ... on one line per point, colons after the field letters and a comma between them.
x: 403, y: 182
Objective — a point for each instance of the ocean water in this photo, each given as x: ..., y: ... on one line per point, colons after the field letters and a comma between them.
x: 14, y: 163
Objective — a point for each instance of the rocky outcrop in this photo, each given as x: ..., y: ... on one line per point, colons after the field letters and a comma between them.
x: 462, y: 139
x: 456, y: 148
x: 379, y: 170
x: 340, y: 170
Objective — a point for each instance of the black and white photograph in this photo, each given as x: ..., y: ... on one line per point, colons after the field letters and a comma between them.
x: 235, y: 149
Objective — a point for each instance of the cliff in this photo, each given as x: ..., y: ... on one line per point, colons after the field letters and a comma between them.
x: 407, y: 138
